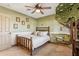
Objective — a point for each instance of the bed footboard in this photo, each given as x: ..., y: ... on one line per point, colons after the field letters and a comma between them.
x: 24, y: 42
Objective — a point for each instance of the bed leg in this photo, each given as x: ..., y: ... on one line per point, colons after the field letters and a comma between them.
x: 17, y: 44
x: 31, y: 54
x: 49, y: 41
x: 31, y: 47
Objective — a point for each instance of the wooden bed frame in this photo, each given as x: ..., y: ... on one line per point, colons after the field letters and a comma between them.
x: 26, y: 42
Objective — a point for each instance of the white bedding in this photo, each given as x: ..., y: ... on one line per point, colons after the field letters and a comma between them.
x: 37, y: 40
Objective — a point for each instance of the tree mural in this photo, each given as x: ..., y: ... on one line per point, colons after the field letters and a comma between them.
x: 65, y: 11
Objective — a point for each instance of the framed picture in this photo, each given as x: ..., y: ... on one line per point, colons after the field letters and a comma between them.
x: 28, y: 26
x: 23, y: 22
x: 15, y: 26
x: 17, y: 19
x: 27, y: 19
x: 61, y: 28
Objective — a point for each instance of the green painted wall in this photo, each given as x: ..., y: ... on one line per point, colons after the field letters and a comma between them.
x: 54, y: 25
x: 13, y: 15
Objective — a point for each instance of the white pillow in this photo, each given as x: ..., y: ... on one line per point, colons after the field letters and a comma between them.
x: 39, y: 33
x: 43, y: 33
x: 35, y: 33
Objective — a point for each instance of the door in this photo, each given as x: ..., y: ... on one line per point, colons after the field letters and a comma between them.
x: 5, y: 35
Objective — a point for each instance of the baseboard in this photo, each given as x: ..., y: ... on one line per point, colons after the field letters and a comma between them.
x: 14, y: 45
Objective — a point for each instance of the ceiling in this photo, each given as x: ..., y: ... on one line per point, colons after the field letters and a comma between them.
x: 20, y: 7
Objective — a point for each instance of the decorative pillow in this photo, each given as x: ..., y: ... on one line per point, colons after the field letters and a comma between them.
x: 35, y: 33
x: 43, y: 33
x: 32, y: 33
x: 39, y: 34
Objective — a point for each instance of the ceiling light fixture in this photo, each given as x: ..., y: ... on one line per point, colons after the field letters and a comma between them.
x: 38, y: 10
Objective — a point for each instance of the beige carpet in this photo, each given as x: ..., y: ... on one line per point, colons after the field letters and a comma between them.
x: 45, y: 50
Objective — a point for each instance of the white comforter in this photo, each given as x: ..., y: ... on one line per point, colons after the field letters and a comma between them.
x: 37, y: 40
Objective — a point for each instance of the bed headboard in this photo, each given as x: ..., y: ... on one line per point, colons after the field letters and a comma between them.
x: 43, y: 29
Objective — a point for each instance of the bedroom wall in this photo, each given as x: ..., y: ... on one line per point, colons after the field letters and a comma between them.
x: 21, y: 28
x: 13, y: 15
x: 55, y: 27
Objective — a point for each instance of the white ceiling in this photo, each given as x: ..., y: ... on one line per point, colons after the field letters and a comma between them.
x: 20, y: 7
